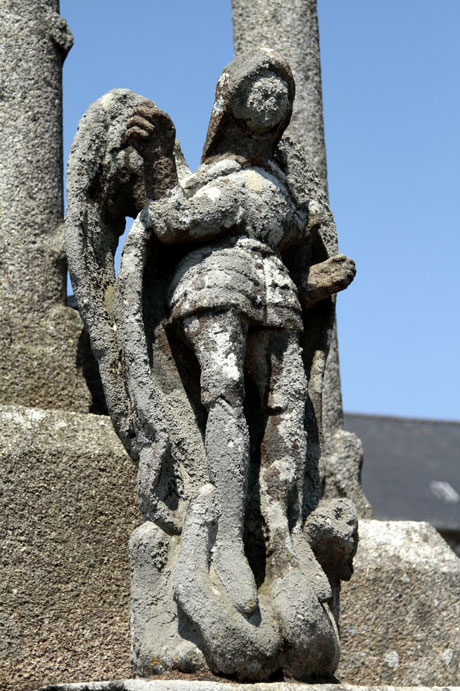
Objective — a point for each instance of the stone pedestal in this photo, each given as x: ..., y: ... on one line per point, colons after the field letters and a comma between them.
x: 69, y: 507
x: 181, y: 685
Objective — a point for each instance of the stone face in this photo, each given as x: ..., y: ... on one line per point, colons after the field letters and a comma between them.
x: 400, y: 620
x: 292, y: 30
x: 210, y: 343
x: 68, y: 507
x: 41, y: 338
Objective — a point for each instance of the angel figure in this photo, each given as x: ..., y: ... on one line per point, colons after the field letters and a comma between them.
x: 226, y: 277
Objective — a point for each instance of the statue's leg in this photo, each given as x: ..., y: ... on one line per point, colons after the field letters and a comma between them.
x: 284, y: 445
x: 219, y: 342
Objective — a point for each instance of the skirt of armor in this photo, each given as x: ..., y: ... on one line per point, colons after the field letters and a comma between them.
x: 241, y: 274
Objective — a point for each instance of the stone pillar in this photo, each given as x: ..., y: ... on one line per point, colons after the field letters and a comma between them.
x: 40, y: 336
x: 292, y: 30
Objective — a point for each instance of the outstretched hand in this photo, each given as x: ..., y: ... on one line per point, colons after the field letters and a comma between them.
x: 327, y: 278
x: 150, y: 131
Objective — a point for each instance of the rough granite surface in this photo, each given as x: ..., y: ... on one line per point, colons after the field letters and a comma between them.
x: 41, y: 340
x: 68, y: 509
x: 400, y: 614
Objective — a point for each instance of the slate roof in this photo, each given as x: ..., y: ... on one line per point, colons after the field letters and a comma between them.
x: 411, y: 468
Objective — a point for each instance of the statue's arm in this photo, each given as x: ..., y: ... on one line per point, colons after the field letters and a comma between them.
x: 207, y: 214
x: 326, y: 278
x: 176, y: 215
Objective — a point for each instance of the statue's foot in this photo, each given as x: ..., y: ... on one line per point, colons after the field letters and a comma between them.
x: 307, y: 628
x: 235, y: 574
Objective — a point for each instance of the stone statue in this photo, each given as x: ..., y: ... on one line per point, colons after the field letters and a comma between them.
x: 211, y: 348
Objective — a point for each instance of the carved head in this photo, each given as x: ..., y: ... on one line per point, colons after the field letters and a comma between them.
x: 252, y: 108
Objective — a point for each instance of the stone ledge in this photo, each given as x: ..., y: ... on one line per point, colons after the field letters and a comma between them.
x: 183, y: 685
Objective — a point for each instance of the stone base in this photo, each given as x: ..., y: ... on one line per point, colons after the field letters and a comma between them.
x: 69, y: 508
x: 400, y: 613
x: 183, y: 685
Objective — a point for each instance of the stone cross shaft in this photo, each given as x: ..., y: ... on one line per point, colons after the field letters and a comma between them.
x: 42, y: 352
x: 34, y: 41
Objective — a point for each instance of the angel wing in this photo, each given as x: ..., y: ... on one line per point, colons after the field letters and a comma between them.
x: 99, y: 166
x: 106, y: 181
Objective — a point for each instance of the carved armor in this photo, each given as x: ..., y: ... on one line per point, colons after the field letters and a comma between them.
x: 244, y: 271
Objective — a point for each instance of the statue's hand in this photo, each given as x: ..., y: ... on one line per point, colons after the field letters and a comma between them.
x: 150, y: 131
x: 328, y: 277
x: 340, y: 270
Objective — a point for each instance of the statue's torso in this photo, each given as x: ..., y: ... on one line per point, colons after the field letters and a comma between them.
x: 243, y: 270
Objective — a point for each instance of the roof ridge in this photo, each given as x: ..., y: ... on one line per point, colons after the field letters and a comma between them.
x: 400, y: 418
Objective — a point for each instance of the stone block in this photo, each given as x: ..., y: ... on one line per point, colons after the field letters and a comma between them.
x: 400, y: 613
x: 69, y: 507
x: 183, y: 685
x: 47, y: 365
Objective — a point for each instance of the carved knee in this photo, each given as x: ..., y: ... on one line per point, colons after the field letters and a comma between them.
x: 226, y: 385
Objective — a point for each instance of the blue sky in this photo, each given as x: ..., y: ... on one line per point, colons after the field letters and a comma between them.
x: 392, y: 120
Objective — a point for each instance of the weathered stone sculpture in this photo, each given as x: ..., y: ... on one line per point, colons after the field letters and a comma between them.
x: 211, y: 354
